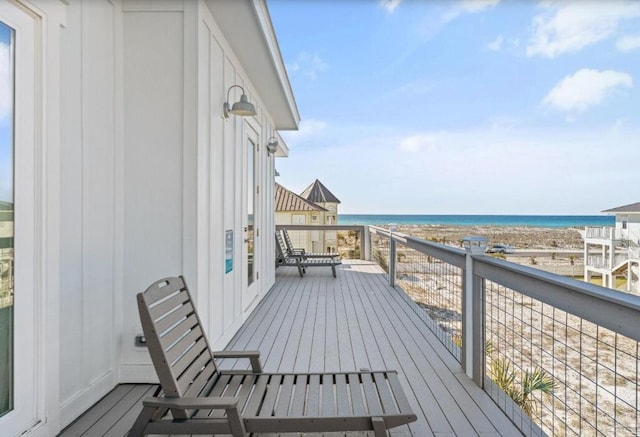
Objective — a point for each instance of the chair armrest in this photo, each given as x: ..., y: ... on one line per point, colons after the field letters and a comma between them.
x: 253, y: 356
x: 223, y: 402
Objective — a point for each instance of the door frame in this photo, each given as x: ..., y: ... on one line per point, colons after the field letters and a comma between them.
x: 28, y: 323
x: 251, y: 292
x: 44, y: 190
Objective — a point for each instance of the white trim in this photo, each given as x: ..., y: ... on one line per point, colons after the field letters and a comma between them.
x: 47, y: 18
x: 78, y: 404
x: 27, y: 330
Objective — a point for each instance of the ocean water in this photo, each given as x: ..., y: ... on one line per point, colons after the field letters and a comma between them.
x: 543, y: 221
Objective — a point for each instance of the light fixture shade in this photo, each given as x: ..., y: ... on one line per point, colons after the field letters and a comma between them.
x: 272, y: 145
x: 243, y: 108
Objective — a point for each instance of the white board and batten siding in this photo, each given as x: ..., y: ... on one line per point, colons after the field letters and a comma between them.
x: 140, y: 177
x: 90, y: 132
x: 183, y: 170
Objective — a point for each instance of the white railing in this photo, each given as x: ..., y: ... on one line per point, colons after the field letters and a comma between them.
x: 601, y: 232
x: 598, y: 262
x: 620, y: 258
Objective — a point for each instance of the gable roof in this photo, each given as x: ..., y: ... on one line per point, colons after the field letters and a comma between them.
x: 289, y: 201
x: 318, y: 193
x: 632, y: 207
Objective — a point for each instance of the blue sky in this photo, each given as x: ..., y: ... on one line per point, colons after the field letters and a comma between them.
x: 464, y: 107
x: 6, y: 119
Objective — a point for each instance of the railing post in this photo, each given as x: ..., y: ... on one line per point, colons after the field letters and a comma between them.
x: 473, y: 313
x: 392, y: 257
x: 365, y: 244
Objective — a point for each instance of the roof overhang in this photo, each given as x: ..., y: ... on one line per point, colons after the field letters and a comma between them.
x: 633, y: 208
x: 283, y: 149
x: 247, y: 27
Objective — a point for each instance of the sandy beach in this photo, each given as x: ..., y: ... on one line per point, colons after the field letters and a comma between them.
x: 556, y: 250
x: 520, y: 237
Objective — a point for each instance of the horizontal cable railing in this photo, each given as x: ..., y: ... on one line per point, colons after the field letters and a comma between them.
x: 432, y: 286
x: 565, y: 351
x: 559, y: 356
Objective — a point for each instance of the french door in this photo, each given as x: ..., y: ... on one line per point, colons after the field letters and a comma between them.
x: 251, y: 205
x: 18, y: 306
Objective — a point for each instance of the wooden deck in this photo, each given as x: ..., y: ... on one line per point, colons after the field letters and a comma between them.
x: 318, y: 323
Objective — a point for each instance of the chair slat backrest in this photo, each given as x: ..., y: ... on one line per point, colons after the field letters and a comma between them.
x: 282, y: 250
x: 287, y: 240
x: 177, y: 344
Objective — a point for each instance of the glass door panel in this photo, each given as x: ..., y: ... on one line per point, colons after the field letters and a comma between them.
x: 250, y: 215
x: 7, y: 48
x: 19, y: 394
x: 250, y: 231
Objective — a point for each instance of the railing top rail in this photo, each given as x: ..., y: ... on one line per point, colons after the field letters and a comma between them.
x: 614, y: 310
x: 321, y: 227
x: 379, y: 230
x: 451, y: 255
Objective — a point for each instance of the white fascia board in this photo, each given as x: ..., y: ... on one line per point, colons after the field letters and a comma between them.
x: 247, y: 27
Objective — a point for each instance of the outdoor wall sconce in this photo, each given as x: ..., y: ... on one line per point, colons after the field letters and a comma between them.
x: 243, y: 108
x: 272, y: 145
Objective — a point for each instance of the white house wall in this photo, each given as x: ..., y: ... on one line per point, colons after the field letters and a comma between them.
x: 153, y: 162
x: 633, y: 227
x: 183, y: 170
x: 89, y: 102
x: 139, y: 177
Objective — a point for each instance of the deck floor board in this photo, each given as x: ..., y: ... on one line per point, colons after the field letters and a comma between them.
x: 355, y: 321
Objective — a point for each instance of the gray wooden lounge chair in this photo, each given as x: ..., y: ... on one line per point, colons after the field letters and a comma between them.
x: 301, y: 261
x: 301, y: 251
x: 199, y: 398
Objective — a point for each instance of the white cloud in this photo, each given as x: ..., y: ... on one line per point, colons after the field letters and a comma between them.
x: 473, y: 6
x: 416, y: 143
x: 456, y: 171
x: 390, y: 5
x: 308, y: 129
x: 419, y: 86
x: 468, y: 7
x: 496, y: 44
x: 571, y: 26
x: 586, y: 88
x: 309, y: 64
x: 628, y: 43
x: 6, y: 81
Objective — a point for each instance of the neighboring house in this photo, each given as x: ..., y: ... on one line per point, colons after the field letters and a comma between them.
x: 126, y: 171
x: 315, y: 206
x: 614, y: 252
